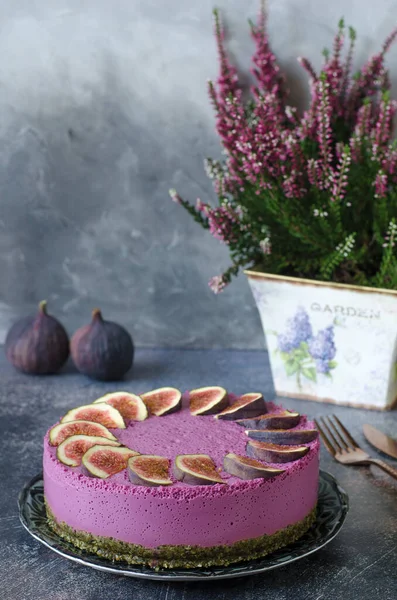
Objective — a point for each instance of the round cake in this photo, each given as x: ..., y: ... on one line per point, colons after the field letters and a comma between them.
x: 171, y: 480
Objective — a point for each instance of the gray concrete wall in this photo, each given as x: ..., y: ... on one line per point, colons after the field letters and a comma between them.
x: 103, y: 107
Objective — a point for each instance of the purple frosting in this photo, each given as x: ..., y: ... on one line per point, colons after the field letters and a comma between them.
x: 182, y: 514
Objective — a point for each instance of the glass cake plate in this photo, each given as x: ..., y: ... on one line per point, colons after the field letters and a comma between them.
x: 332, y: 508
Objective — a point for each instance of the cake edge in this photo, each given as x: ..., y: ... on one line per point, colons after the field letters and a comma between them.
x: 169, y: 556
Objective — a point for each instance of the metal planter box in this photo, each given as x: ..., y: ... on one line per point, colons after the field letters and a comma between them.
x: 329, y: 342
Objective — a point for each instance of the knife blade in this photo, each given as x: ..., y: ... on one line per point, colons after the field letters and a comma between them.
x: 380, y: 440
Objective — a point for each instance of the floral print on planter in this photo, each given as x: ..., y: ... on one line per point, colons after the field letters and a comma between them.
x: 329, y: 342
x: 305, y: 354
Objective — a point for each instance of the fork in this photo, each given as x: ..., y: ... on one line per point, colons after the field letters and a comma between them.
x: 343, y: 447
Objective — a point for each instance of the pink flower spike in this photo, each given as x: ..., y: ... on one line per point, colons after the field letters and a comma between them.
x: 223, y: 224
x: 217, y: 284
x: 324, y: 130
x: 340, y: 179
x: 265, y: 69
x: 200, y: 206
x: 228, y: 79
x: 175, y: 196
x: 380, y: 185
x: 389, y: 41
x: 307, y: 65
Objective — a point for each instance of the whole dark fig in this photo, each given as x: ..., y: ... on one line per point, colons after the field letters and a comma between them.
x: 102, y: 350
x: 37, y: 344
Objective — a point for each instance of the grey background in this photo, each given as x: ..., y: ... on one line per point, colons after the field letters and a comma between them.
x: 103, y: 108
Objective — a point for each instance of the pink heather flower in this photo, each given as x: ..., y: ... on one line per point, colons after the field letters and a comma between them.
x: 315, y: 173
x: 334, y: 78
x: 260, y: 146
x: 226, y: 98
x: 380, y: 184
x: 355, y: 144
x: 307, y: 65
x: 228, y: 79
x: 201, y: 207
x: 308, y: 124
x: 222, y: 224
x: 389, y: 41
x: 293, y: 184
x: 339, y: 147
x: 361, y: 131
x: 217, y: 284
x: 324, y: 134
x: 340, y: 179
x: 348, y: 63
x: 266, y: 246
x: 364, y: 120
x: 382, y: 131
x: 338, y: 42
x: 291, y: 114
x: 265, y: 70
x: 333, y: 74
x: 175, y: 197
x: 367, y: 83
x: 389, y: 163
x: 231, y: 125
x: 291, y: 187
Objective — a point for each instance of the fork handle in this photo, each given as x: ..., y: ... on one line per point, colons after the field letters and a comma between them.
x: 384, y: 466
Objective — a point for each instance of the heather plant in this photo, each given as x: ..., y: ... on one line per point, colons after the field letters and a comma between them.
x: 311, y: 195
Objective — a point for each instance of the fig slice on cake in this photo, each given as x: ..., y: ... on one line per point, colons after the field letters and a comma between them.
x: 248, y: 405
x: 70, y: 451
x: 282, y: 420
x: 207, y: 400
x: 283, y: 436
x: 104, y: 461
x: 248, y: 468
x: 196, y: 469
x: 130, y: 406
x: 275, y: 453
x: 149, y: 470
x: 98, y: 413
x: 60, y: 432
x: 162, y: 401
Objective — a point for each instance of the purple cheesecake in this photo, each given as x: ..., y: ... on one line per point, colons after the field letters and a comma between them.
x: 235, y: 514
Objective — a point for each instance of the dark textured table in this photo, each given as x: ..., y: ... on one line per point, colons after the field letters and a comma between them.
x: 360, y: 564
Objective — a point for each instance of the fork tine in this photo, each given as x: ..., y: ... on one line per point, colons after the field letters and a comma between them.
x: 347, y: 434
x: 337, y: 433
x: 326, y: 441
x: 335, y: 441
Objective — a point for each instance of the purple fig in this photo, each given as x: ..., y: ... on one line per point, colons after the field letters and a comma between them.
x: 103, y: 461
x: 281, y: 420
x: 248, y: 468
x: 207, y: 400
x: 163, y: 401
x: 196, y: 469
x: 102, y: 350
x: 274, y: 453
x: 149, y: 470
x: 283, y: 436
x: 60, y: 432
x: 248, y: 405
x: 98, y: 413
x: 71, y: 451
x: 130, y: 406
x: 37, y: 344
